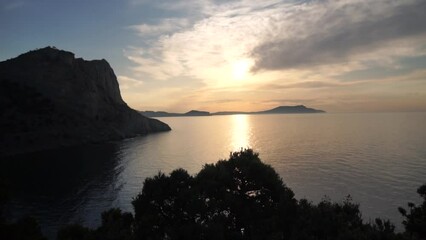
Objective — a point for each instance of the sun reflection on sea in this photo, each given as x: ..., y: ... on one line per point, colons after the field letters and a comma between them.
x: 241, y: 136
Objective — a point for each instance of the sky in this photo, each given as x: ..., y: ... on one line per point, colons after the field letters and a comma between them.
x: 245, y: 55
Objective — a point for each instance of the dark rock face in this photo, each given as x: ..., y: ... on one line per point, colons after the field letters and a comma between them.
x: 48, y: 98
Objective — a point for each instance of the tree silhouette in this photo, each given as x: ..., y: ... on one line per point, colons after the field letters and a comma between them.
x: 238, y: 198
x: 26, y: 228
x: 243, y: 198
x: 415, y: 219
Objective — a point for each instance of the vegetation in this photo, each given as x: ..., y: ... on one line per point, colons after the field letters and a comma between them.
x: 24, y: 229
x: 239, y: 198
x: 228, y: 200
x: 415, y: 219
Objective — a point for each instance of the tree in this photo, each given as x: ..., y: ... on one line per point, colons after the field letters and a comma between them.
x: 238, y: 198
x: 241, y: 198
x: 415, y: 219
x: 23, y: 229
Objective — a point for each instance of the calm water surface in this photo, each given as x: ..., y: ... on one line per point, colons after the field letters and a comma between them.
x: 379, y: 159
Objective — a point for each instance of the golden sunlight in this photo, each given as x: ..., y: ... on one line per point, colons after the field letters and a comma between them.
x: 240, y: 69
x: 240, y: 132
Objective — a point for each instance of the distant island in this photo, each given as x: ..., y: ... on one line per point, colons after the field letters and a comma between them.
x: 49, y: 98
x: 277, y: 110
x: 167, y: 114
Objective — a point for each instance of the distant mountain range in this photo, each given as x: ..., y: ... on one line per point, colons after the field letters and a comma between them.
x: 277, y: 110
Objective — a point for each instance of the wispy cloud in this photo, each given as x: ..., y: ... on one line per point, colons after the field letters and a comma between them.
x: 327, y: 32
x: 12, y: 5
x: 165, y: 26
x: 294, y: 48
x: 207, y: 49
x: 127, y: 83
x: 306, y: 84
x: 279, y: 35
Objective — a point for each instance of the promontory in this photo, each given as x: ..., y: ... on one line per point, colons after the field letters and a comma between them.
x: 49, y: 99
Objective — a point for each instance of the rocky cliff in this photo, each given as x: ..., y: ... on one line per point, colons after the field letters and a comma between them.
x: 49, y: 98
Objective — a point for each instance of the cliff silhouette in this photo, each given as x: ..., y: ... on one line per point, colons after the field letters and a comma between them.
x: 49, y: 98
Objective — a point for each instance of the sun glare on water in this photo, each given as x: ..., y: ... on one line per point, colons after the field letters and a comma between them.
x: 241, y: 132
x: 240, y: 69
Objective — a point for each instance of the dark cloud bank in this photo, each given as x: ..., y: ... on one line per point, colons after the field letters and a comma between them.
x: 343, y: 38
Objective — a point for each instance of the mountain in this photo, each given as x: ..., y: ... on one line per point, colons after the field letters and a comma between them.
x: 231, y: 113
x: 277, y: 110
x: 49, y: 98
x: 290, y: 109
x: 191, y: 113
x: 160, y: 114
x: 197, y: 113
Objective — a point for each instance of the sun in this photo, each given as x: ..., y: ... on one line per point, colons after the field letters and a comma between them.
x: 240, y: 69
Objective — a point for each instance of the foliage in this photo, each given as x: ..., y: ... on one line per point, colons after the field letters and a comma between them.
x: 115, y: 226
x: 238, y: 198
x: 234, y: 199
x: 328, y: 220
x: 415, y: 219
x: 25, y: 228
x: 243, y: 198
x: 75, y: 232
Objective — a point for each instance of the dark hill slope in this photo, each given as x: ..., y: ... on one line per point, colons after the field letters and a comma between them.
x: 49, y: 98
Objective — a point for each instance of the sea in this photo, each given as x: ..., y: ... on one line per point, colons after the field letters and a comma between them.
x: 379, y: 159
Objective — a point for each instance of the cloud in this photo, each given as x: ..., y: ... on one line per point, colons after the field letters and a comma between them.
x: 127, y: 83
x: 12, y: 5
x: 206, y: 49
x: 306, y: 84
x: 165, y: 26
x: 307, y: 51
x: 198, y: 6
x: 276, y: 35
x: 329, y: 32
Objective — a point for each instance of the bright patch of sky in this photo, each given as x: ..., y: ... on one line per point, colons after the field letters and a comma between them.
x: 178, y: 55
